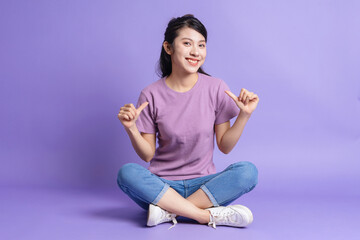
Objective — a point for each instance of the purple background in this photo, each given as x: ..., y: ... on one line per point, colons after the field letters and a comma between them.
x: 68, y: 66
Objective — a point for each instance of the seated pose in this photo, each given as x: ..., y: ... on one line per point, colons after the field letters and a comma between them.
x: 183, y: 110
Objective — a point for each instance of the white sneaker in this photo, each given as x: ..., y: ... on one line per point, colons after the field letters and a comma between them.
x: 157, y: 215
x: 233, y: 215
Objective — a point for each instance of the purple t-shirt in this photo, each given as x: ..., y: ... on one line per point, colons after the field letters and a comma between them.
x: 184, y: 124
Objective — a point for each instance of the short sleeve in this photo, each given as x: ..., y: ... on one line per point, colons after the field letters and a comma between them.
x: 226, y: 108
x: 145, y: 122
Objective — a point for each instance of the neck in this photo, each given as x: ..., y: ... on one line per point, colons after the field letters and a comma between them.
x: 181, y: 82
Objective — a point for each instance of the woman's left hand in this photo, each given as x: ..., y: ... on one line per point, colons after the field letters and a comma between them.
x: 247, y: 101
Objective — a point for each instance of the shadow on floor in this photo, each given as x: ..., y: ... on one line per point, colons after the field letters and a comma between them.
x: 122, y: 214
x: 128, y: 214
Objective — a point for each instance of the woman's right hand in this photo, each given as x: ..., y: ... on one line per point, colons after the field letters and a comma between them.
x: 128, y: 114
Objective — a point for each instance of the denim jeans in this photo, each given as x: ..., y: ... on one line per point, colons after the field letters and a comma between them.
x: 222, y: 188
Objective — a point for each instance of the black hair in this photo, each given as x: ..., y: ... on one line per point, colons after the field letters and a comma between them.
x: 172, y: 31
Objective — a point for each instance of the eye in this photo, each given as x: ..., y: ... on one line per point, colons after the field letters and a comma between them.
x: 202, y: 45
x: 187, y: 43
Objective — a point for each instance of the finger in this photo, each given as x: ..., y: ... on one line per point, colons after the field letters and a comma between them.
x: 245, y: 94
x: 256, y: 96
x: 128, y: 109
x: 233, y: 96
x: 129, y: 115
x: 252, y: 97
x: 127, y: 105
x: 132, y: 111
x: 243, y: 99
x: 247, y: 100
x: 133, y: 107
x: 124, y: 111
x: 241, y: 96
x: 142, y: 106
x: 122, y: 116
x: 240, y: 104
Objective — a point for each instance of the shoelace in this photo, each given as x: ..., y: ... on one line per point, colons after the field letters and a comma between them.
x: 172, y: 217
x: 223, y: 214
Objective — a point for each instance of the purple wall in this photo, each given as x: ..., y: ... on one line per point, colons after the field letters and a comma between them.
x: 68, y: 66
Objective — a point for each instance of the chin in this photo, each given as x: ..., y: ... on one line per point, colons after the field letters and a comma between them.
x: 194, y: 70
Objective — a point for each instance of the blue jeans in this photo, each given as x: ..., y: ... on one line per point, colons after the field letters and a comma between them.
x: 222, y: 188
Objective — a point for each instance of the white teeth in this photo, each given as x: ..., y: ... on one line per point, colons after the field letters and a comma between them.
x: 192, y: 61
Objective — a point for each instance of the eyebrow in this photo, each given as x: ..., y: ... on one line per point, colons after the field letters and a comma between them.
x: 191, y: 39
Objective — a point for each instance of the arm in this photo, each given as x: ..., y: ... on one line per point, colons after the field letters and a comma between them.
x: 226, y: 136
x: 144, y: 144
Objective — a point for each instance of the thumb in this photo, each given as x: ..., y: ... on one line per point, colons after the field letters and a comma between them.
x: 142, y: 106
x: 233, y: 96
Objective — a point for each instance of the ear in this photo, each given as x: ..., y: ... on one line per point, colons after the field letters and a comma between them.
x: 167, y: 47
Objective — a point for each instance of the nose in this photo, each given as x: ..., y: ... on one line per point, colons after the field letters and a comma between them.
x: 194, y: 51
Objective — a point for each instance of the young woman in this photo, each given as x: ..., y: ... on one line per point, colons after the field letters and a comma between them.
x: 184, y: 109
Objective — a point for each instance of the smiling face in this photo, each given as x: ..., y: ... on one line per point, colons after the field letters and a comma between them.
x: 188, y: 51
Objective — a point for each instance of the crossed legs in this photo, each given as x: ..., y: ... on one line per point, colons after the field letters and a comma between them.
x: 139, y: 184
x: 191, y: 207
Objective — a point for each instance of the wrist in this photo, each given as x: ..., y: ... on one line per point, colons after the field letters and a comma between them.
x: 131, y: 129
x: 242, y: 114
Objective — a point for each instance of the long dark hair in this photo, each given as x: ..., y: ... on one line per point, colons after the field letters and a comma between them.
x: 172, y: 31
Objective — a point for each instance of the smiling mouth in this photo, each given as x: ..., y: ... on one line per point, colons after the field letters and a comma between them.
x: 192, y: 61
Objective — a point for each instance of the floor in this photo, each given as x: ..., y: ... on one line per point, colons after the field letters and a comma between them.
x: 109, y: 214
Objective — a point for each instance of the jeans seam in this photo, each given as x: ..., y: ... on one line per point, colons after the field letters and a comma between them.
x: 185, y: 189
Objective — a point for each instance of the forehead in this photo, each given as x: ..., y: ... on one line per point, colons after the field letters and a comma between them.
x: 190, y: 33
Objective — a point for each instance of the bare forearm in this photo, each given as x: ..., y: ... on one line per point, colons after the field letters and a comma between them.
x: 232, y: 135
x: 141, y: 146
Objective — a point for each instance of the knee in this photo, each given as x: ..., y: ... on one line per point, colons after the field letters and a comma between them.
x: 127, y: 173
x: 246, y: 173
